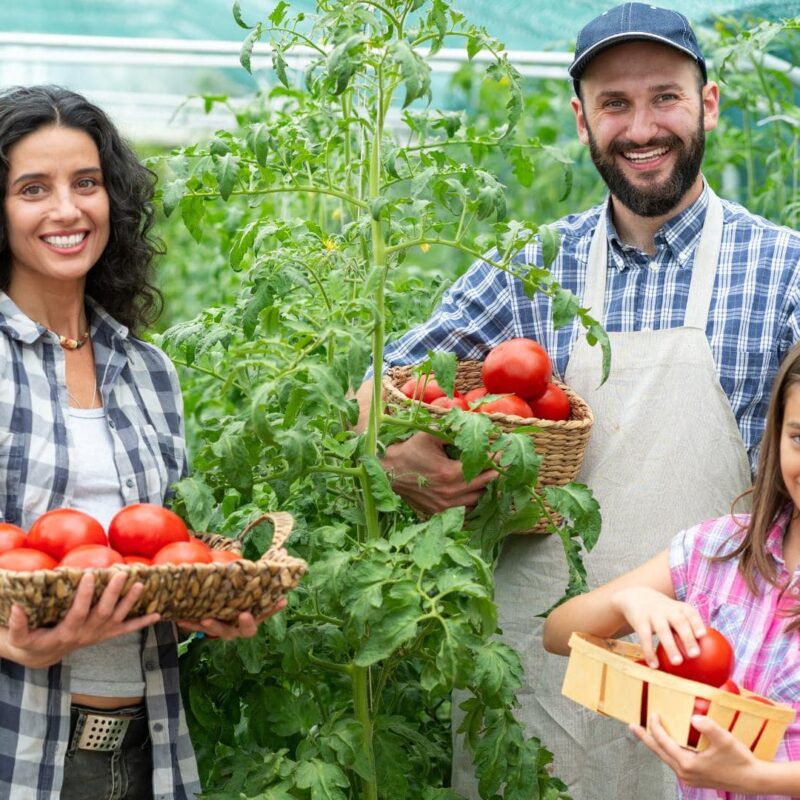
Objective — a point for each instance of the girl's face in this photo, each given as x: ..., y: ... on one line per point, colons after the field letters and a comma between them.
x: 56, y: 207
x: 790, y: 445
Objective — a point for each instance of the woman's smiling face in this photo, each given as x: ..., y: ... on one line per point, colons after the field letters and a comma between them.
x: 56, y: 206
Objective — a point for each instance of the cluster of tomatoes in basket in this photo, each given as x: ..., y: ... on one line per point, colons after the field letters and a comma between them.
x: 712, y: 666
x: 516, y: 379
x: 142, y: 533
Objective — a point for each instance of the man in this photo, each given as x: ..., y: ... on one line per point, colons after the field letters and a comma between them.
x: 700, y: 300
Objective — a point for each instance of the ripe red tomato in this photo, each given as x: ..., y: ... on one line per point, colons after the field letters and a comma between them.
x: 450, y: 402
x: 424, y: 388
x: 701, y: 709
x: 11, y: 536
x: 643, y: 703
x: 89, y: 556
x: 192, y: 552
x: 473, y: 395
x: 58, y: 531
x: 508, y: 404
x: 142, y: 529
x: 136, y: 560
x: 553, y: 404
x: 26, y: 559
x: 224, y: 556
x: 713, y: 666
x: 730, y: 686
x: 520, y: 366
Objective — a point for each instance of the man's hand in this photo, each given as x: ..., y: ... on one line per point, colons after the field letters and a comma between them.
x: 427, y: 479
x: 83, y: 625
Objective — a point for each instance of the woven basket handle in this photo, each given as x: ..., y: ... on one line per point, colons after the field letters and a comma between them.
x: 282, y: 523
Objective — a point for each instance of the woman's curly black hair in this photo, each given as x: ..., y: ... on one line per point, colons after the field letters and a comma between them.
x: 122, y: 279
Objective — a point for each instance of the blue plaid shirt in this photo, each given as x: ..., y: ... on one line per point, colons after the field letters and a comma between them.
x: 143, y: 406
x: 754, y: 316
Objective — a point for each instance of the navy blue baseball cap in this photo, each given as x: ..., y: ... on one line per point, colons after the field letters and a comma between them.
x: 635, y: 22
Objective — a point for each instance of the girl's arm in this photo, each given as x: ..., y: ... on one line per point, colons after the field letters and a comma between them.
x: 726, y: 764
x: 641, y: 601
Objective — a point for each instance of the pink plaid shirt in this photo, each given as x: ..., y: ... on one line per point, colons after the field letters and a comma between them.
x: 767, y: 659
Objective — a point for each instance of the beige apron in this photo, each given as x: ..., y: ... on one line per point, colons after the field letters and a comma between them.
x: 665, y: 453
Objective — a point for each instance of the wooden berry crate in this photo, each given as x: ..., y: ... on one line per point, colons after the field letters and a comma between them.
x: 602, y: 674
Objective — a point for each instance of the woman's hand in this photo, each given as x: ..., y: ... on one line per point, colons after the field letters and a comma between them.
x: 650, y: 612
x: 83, y: 625
x: 725, y: 764
x: 245, y: 626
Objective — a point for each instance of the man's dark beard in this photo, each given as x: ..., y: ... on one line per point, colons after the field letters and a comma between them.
x: 660, y: 198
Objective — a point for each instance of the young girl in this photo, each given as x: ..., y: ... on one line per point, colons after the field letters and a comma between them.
x: 738, y: 574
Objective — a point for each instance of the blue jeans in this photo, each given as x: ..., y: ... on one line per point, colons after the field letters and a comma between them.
x: 125, y: 773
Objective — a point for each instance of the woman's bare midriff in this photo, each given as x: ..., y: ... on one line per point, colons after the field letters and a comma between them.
x: 107, y: 703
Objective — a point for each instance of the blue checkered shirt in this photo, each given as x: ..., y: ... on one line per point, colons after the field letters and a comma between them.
x: 754, y: 316
x: 143, y: 406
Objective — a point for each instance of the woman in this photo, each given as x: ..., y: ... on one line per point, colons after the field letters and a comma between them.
x: 90, y: 417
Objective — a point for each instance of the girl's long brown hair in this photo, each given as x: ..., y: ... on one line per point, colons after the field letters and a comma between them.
x: 769, y: 493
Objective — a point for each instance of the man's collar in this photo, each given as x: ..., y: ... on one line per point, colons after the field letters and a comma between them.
x: 680, y: 233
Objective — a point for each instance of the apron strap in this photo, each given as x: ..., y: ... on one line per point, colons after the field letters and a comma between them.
x: 704, y: 267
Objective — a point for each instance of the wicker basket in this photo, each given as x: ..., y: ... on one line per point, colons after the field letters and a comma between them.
x: 602, y: 674
x: 177, y: 591
x: 560, y: 443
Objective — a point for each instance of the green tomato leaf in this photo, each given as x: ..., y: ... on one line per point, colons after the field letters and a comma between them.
x: 246, y: 51
x: 576, y: 503
x: 382, y: 493
x: 414, y: 71
x: 389, y: 630
x: 550, y: 241
x: 172, y: 195
x: 324, y: 781
x: 237, y: 15
x: 226, y: 170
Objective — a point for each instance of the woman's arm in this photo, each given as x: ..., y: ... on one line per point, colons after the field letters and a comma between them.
x: 641, y: 601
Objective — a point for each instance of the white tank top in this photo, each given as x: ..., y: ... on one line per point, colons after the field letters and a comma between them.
x: 112, y: 668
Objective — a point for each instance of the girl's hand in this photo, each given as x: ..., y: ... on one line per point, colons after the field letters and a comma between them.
x: 83, y: 624
x: 651, y: 612
x: 725, y: 764
x: 246, y: 625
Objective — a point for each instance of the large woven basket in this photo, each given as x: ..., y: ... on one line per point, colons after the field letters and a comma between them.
x: 560, y: 443
x: 176, y: 591
x: 602, y: 674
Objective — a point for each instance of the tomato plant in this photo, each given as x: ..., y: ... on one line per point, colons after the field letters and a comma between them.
x: 191, y: 552
x: 11, y: 536
x: 713, y: 665
x: 552, y: 404
x: 26, y: 559
x: 323, y: 200
x: 58, y: 531
x: 519, y: 366
x: 90, y: 556
x: 142, y: 529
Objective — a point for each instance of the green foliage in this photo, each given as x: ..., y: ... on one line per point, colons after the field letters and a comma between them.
x: 328, y: 219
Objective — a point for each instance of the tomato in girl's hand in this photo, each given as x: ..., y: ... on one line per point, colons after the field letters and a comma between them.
x: 701, y: 706
x: 11, y: 536
x: 60, y: 530
x: 26, y: 559
x: 713, y: 666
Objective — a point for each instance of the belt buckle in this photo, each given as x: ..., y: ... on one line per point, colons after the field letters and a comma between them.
x: 101, y: 732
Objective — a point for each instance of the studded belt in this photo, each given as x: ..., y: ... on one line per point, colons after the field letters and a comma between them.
x: 108, y: 731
